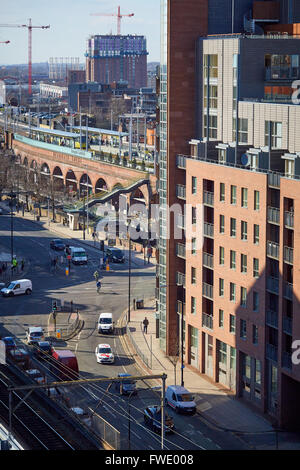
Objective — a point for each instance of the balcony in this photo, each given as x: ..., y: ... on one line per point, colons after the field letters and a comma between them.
x: 287, y: 360
x: 288, y: 290
x: 180, y: 279
x: 208, y: 291
x: 208, y: 260
x: 180, y: 308
x: 287, y: 325
x: 180, y: 250
x: 288, y: 254
x: 274, y: 180
x: 181, y: 221
x: 271, y: 352
x: 207, y: 321
x: 181, y: 162
x: 181, y: 191
x: 273, y: 250
x: 273, y: 285
x: 272, y: 319
x: 273, y: 215
x: 208, y: 198
x: 289, y: 219
x: 208, y: 230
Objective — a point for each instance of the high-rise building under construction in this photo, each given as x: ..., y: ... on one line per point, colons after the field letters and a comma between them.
x: 114, y: 58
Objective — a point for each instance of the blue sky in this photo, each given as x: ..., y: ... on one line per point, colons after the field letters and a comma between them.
x: 71, y: 24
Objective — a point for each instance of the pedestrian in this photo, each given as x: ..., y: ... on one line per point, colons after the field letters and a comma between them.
x: 96, y: 276
x: 145, y: 323
x: 149, y: 253
x: 98, y: 286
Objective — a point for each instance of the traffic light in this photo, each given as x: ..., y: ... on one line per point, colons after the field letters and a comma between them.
x: 102, y: 245
x: 54, y: 306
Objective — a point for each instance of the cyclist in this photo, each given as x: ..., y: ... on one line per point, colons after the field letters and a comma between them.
x: 98, y: 286
x: 96, y: 275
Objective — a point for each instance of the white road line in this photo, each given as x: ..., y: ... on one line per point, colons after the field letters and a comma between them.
x: 136, y: 435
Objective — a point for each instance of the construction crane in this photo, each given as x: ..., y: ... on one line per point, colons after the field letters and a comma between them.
x: 30, y: 27
x: 118, y: 15
x: 4, y: 42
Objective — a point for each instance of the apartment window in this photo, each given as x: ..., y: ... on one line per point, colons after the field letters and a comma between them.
x: 222, y: 224
x: 194, y: 215
x: 232, y: 324
x: 233, y: 227
x: 194, y: 251
x: 243, y: 329
x: 221, y: 318
x: 213, y: 126
x: 232, y: 259
x: 221, y: 287
x: 233, y: 195
x: 243, y: 264
x: 232, y: 292
x: 255, y: 301
x: 256, y: 234
x: 243, y: 297
x: 213, y: 96
x: 255, y: 267
x: 273, y: 134
x: 244, y: 230
x: 243, y: 130
x: 256, y: 200
x: 193, y: 305
x: 254, y: 334
x: 194, y: 185
x: 244, y: 200
x: 222, y: 192
x: 210, y: 63
x: 194, y: 275
x: 221, y: 255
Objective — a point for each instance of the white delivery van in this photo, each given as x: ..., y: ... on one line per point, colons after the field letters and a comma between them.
x: 180, y: 399
x: 105, y: 323
x: 78, y: 255
x: 34, y: 334
x: 21, y: 286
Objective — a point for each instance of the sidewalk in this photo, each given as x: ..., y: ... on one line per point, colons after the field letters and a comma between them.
x: 219, y: 408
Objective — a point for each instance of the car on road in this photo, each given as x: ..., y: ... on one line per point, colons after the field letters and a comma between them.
x: 21, y: 286
x: 57, y: 245
x: 43, y: 350
x: 180, y: 399
x: 9, y: 343
x: 104, y: 354
x: 127, y: 386
x: 34, y: 334
x: 115, y: 255
x: 152, y: 417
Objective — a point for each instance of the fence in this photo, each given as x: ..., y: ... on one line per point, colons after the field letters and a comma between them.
x: 108, y: 433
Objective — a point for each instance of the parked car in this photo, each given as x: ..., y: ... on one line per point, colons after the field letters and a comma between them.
x: 104, y: 354
x: 43, y: 350
x: 126, y: 387
x: 9, y: 343
x: 21, y: 286
x: 180, y: 399
x: 152, y: 417
x: 57, y: 245
x: 34, y: 334
x: 115, y: 255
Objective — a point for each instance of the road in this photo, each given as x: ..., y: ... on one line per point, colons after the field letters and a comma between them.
x: 31, y: 241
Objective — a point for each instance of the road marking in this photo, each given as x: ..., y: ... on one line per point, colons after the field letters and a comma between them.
x: 204, y: 406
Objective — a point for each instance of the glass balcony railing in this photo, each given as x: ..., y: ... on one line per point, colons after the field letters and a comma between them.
x: 273, y: 284
x: 289, y: 219
x: 287, y: 325
x: 272, y: 318
x: 273, y: 215
x: 208, y: 290
x: 181, y: 161
x: 207, y: 321
x: 208, y: 230
x: 271, y: 352
x: 181, y: 191
x: 288, y: 290
x: 180, y: 250
x: 273, y: 250
x: 288, y: 254
x: 286, y: 360
x: 208, y: 260
x: 208, y: 198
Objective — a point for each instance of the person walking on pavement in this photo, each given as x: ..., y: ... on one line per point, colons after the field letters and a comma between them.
x: 145, y: 323
x: 149, y: 253
x: 98, y: 287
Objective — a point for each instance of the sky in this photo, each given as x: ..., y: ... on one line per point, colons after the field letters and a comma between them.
x: 71, y: 24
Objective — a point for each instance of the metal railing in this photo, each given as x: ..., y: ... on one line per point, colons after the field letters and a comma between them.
x: 208, y: 230
x: 208, y: 198
x: 273, y: 215
x: 180, y: 250
x: 180, y: 279
x: 181, y: 221
x: 181, y: 161
x: 181, y: 191
x: 288, y: 290
x: 208, y: 260
x: 272, y: 318
x: 274, y: 179
x: 145, y: 358
x: 289, y: 219
x: 106, y: 431
x: 271, y: 352
x: 273, y: 284
x: 208, y: 290
x: 287, y: 325
x: 286, y: 360
x: 273, y: 249
x: 207, y: 321
x: 288, y: 254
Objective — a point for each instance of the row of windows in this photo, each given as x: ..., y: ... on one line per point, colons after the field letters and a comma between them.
x: 243, y: 331
x: 244, y: 262
x: 244, y: 196
x: 243, y: 299
x: 244, y: 229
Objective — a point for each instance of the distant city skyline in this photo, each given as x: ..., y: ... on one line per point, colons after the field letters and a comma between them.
x: 71, y: 24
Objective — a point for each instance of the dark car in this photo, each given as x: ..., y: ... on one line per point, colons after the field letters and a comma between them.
x: 115, y: 255
x: 57, y: 245
x: 152, y: 417
x: 43, y: 350
x: 126, y: 387
x: 9, y: 343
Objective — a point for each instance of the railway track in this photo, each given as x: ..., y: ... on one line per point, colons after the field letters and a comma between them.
x: 38, y: 422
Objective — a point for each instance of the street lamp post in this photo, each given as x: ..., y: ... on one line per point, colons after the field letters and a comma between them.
x: 129, y: 278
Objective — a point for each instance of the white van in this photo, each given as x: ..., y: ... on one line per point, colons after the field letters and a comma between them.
x: 34, y: 334
x: 21, y: 286
x: 105, y: 323
x: 180, y: 399
x: 78, y: 255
